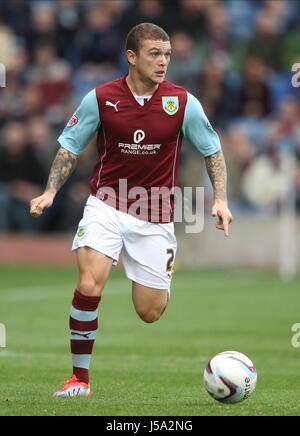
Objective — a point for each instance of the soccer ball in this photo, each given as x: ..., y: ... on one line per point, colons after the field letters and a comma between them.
x: 230, y: 377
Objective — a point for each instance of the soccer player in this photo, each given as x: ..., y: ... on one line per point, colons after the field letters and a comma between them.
x: 140, y: 121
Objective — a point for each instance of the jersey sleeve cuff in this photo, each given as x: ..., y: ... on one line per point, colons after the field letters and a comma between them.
x: 67, y: 146
x: 212, y: 151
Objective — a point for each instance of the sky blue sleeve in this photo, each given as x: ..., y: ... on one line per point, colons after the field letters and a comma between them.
x: 82, y: 126
x: 198, y: 130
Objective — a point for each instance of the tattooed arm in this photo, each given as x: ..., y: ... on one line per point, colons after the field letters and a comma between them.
x: 216, y: 168
x: 62, y: 167
x: 217, y: 172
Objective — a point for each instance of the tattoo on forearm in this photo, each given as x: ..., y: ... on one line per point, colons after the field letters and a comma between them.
x: 62, y: 167
x: 216, y: 168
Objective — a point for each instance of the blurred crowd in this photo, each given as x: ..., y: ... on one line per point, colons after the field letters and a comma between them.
x: 236, y: 56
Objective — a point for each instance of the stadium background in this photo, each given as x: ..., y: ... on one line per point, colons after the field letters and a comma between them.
x: 236, y: 57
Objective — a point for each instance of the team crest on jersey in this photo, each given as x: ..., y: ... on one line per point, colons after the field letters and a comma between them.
x: 170, y: 105
x: 73, y: 121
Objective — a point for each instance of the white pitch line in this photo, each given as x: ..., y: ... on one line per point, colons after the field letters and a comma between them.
x: 129, y: 357
x: 120, y: 286
x: 49, y: 292
x: 20, y: 354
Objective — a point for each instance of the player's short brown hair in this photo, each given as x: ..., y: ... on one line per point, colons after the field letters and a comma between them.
x: 144, y: 31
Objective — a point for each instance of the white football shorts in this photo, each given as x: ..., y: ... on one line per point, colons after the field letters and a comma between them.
x: 148, y: 249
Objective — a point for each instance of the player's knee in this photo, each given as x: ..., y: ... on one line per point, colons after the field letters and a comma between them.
x: 150, y: 316
x: 90, y: 287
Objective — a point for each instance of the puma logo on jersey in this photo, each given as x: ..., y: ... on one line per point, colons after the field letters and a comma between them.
x: 109, y: 103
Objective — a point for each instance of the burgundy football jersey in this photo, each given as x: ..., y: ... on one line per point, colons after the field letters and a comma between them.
x: 139, y: 149
x: 139, y: 145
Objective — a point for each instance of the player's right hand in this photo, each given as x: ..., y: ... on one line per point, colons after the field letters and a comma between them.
x: 221, y: 211
x: 38, y: 204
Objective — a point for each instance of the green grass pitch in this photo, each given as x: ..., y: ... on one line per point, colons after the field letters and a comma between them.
x: 141, y: 369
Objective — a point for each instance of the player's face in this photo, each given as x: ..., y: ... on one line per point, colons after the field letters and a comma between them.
x: 153, y: 59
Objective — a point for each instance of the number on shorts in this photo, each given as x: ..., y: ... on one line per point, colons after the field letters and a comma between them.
x: 171, y: 254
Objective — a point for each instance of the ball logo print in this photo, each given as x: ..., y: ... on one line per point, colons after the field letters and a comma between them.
x: 2, y: 336
x: 139, y: 136
x: 230, y: 377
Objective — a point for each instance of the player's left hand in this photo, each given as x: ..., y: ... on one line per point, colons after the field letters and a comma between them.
x: 220, y: 210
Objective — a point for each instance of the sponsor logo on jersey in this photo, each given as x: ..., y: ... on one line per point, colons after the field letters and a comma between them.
x: 115, y: 105
x: 73, y: 121
x: 170, y: 105
x: 139, y: 148
x: 136, y: 147
x: 138, y: 136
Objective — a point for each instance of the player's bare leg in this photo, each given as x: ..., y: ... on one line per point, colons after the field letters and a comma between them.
x: 94, y: 269
x: 149, y: 303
